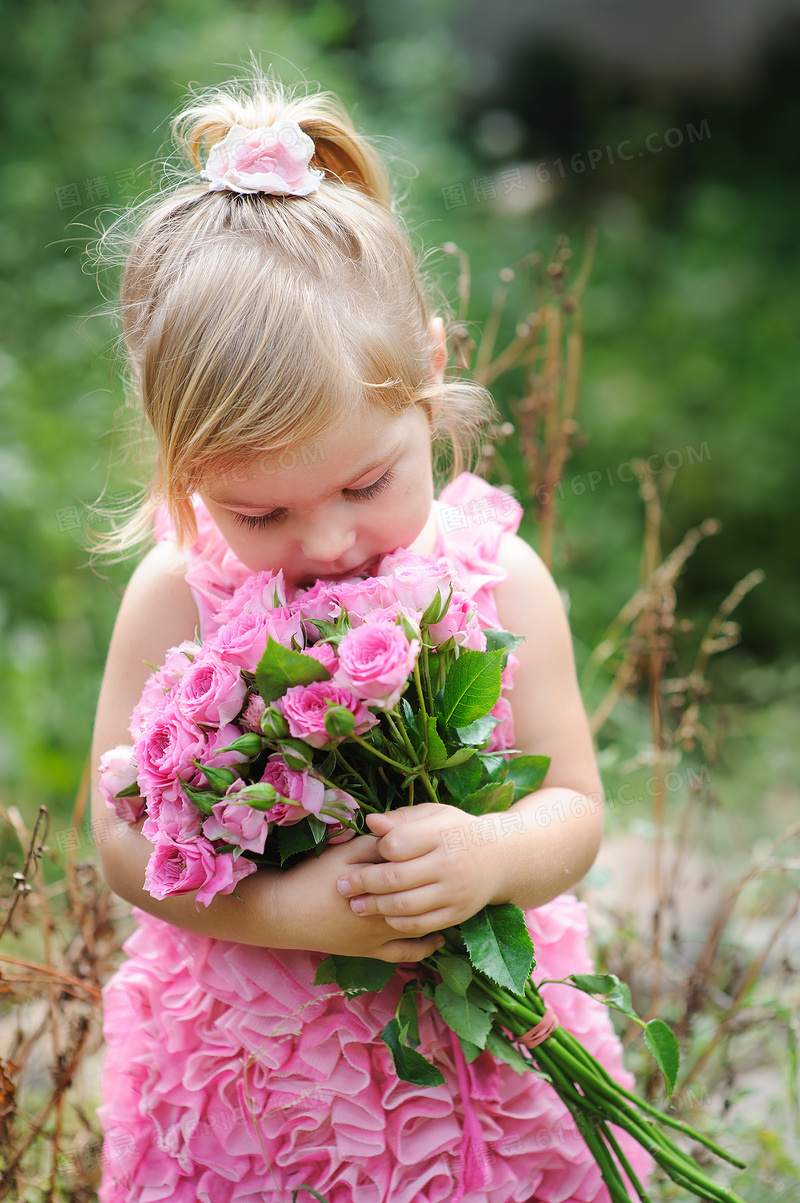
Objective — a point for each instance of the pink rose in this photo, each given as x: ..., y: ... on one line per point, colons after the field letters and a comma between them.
x: 210, y: 754
x: 318, y: 601
x: 416, y: 580
x: 242, y: 640
x: 260, y: 593
x: 253, y: 711
x: 237, y: 823
x: 179, y: 660
x: 304, y: 707
x: 302, y: 787
x: 270, y: 159
x: 343, y: 806
x: 118, y: 770
x: 159, y: 683
x: 375, y: 661
x: 176, y: 868
x: 503, y: 734
x: 152, y: 696
x: 212, y: 691
x: 177, y: 820
x: 326, y: 656
x: 460, y: 622
x: 359, y: 597
x: 391, y: 614
x: 164, y: 751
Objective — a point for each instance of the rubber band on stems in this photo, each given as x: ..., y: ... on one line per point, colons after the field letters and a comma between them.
x: 540, y: 1031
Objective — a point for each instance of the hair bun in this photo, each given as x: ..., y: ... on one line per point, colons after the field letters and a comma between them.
x: 340, y: 151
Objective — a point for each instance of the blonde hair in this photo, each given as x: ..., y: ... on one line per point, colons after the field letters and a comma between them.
x: 251, y: 323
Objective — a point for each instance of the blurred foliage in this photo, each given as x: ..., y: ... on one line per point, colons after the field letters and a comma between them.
x: 691, y: 308
x: 691, y: 315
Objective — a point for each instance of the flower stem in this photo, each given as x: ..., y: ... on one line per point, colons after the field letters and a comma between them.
x: 362, y: 804
x: 402, y: 768
x: 423, y: 776
x: 349, y: 768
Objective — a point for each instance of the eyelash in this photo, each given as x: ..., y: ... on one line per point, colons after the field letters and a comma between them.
x: 367, y: 494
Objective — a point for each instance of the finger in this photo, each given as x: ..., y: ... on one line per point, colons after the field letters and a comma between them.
x: 411, y: 951
x: 405, y: 904
x: 407, y: 840
x: 403, y: 814
x: 363, y: 850
x: 436, y: 920
x: 386, y: 877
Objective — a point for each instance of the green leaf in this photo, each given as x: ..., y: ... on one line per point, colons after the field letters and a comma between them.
x: 311, y: 1191
x: 297, y: 754
x: 354, y: 973
x: 495, y: 796
x: 499, y: 638
x: 661, y: 1041
x: 409, y: 1065
x: 462, y: 779
x: 408, y: 1016
x: 527, y: 773
x: 500, y: 1047
x: 499, y: 945
x: 318, y: 829
x: 279, y: 668
x: 463, y: 1015
x: 619, y: 994
x: 131, y: 791
x: 437, y: 752
x: 595, y: 983
x: 503, y: 639
x: 495, y: 768
x: 436, y: 609
x: 478, y: 732
x: 460, y: 756
x: 203, y: 799
x: 292, y: 838
x: 470, y: 1050
x: 472, y: 687
x: 456, y: 973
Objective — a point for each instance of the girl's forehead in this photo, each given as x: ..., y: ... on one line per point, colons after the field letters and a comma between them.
x: 314, y: 468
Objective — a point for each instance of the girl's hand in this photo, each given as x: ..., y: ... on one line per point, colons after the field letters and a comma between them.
x: 309, y: 912
x: 433, y: 876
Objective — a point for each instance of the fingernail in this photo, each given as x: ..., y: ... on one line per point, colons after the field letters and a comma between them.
x: 359, y: 905
x: 343, y: 886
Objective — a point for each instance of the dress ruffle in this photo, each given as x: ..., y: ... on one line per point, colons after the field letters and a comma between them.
x: 228, y: 1074
x: 229, y: 1077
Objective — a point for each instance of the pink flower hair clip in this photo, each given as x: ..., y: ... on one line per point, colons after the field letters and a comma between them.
x: 272, y: 159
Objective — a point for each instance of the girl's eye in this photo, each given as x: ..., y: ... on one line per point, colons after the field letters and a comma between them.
x: 374, y: 489
x: 262, y: 520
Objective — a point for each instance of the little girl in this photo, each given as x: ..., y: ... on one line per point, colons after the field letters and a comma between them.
x: 283, y: 349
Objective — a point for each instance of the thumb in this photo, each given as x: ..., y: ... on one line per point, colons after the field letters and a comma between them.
x: 385, y: 820
x: 381, y: 823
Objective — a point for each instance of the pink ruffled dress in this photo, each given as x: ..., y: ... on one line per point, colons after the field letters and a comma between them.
x: 230, y: 1078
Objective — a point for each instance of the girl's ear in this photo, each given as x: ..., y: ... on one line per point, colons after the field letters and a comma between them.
x: 439, y: 339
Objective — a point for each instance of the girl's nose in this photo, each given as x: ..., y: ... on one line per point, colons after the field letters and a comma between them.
x: 326, y: 540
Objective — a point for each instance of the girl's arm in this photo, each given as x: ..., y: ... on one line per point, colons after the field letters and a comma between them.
x: 277, y: 908
x: 444, y: 865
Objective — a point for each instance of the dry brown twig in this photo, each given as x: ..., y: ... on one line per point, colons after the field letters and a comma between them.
x: 639, y: 645
x: 78, y: 943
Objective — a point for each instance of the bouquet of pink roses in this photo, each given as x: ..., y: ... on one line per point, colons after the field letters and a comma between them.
x: 311, y: 707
